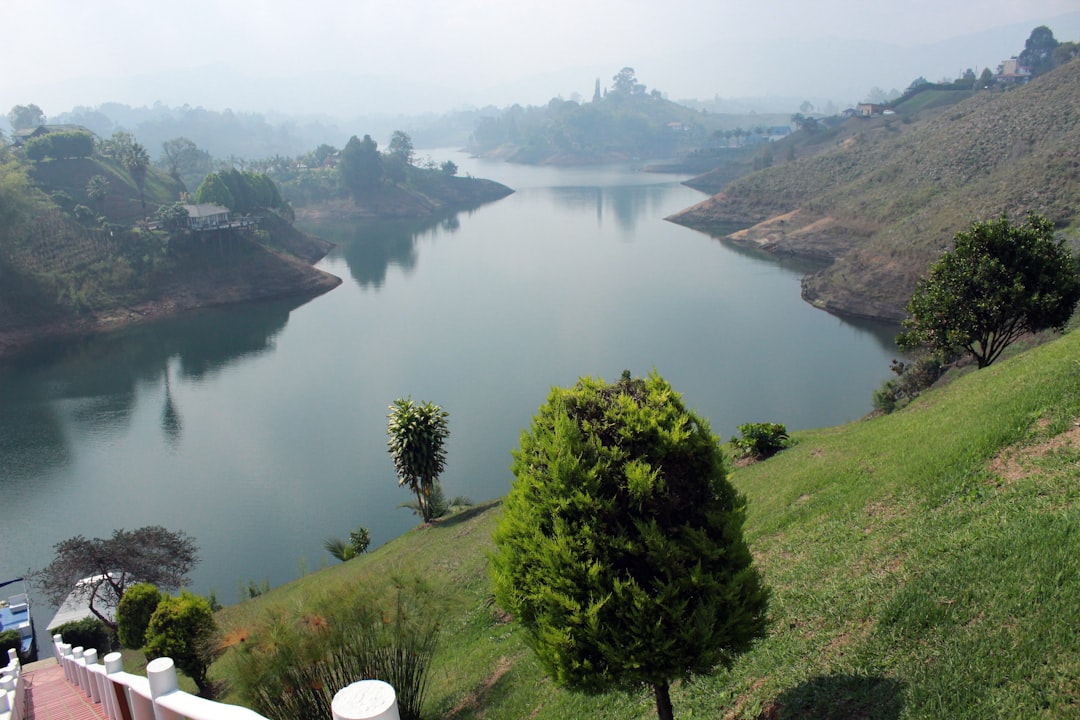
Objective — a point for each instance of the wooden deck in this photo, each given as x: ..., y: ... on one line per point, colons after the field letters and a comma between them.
x: 49, y: 696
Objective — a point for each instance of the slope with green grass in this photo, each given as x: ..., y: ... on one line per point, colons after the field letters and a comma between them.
x: 891, y: 192
x: 924, y: 564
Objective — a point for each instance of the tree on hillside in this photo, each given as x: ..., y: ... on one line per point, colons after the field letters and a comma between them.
x: 418, y: 433
x: 214, y: 190
x: 999, y: 282
x: 24, y: 117
x: 620, y: 549
x: 137, y: 162
x: 1038, y: 53
x: 183, y: 160
x: 401, y: 146
x: 97, y: 189
x: 625, y: 83
x: 361, y: 166
x: 98, y: 572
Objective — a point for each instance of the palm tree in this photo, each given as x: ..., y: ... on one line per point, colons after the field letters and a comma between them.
x: 136, y: 160
x: 97, y: 189
x: 417, y: 433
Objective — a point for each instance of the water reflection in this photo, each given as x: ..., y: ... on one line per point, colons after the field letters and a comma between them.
x: 91, y: 386
x: 629, y: 205
x: 370, y: 248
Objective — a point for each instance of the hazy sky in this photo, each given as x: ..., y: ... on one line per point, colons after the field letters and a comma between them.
x: 469, y: 44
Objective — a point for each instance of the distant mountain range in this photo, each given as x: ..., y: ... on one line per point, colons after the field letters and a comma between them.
x: 839, y: 69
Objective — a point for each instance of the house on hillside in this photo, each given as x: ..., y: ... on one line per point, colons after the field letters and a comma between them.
x: 871, y: 109
x: 1012, y: 72
x: 207, y: 216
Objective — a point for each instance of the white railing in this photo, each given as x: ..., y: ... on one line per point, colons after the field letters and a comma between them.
x: 11, y: 688
x: 157, y: 696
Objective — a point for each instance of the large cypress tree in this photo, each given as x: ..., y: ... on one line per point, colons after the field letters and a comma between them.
x: 620, y: 549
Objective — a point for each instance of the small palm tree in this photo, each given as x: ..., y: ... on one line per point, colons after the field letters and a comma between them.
x: 418, y: 432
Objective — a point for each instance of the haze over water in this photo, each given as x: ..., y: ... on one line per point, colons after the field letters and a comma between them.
x: 260, y: 430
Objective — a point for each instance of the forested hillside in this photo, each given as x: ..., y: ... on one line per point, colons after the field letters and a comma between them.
x: 890, y: 193
x: 84, y: 245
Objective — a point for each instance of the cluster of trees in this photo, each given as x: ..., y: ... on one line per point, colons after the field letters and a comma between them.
x: 60, y: 146
x: 239, y: 191
x: 626, y: 120
x: 1042, y: 52
x: 24, y: 117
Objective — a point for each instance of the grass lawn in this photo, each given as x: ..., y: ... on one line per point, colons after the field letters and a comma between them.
x: 924, y: 564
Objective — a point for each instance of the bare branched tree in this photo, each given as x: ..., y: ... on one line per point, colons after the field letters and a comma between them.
x: 98, y: 571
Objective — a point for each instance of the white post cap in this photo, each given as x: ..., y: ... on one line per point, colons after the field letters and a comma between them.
x: 365, y: 700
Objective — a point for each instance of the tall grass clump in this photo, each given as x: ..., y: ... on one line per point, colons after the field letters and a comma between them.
x: 293, y: 662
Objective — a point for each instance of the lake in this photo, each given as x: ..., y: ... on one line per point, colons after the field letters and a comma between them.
x: 261, y: 430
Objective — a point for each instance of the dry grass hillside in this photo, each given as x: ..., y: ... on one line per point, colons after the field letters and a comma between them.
x: 887, y: 197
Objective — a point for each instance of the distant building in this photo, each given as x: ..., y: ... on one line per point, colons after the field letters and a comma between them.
x: 207, y: 216
x: 1012, y: 72
x: 871, y: 109
x: 21, y: 136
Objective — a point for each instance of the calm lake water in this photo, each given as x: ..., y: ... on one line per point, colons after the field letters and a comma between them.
x: 261, y: 430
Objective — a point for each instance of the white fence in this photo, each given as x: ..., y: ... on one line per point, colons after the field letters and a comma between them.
x: 11, y: 688
x: 124, y: 696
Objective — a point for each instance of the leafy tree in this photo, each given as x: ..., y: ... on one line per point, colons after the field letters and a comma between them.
x: 182, y: 628
x: 1066, y: 52
x: 134, y: 612
x: 1038, y: 53
x: 361, y: 166
x: 214, y: 190
x: 401, y: 146
x: 319, y: 155
x: 418, y: 433
x: 620, y: 548
x: 173, y: 217
x: 998, y: 282
x: 24, y: 117
x: 986, y: 79
x: 625, y: 83
x: 99, y: 571
x: 449, y: 167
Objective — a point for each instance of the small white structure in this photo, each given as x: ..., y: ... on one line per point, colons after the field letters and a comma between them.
x: 207, y: 216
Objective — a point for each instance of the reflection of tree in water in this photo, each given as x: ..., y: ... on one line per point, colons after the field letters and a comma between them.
x: 377, y: 249
x: 171, y: 425
x: 96, y: 379
x: 629, y: 204
x: 370, y: 248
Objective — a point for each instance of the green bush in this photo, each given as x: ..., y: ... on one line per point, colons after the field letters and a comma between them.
x: 9, y: 639
x: 291, y: 665
x: 911, y: 379
x: 134, y: 612
x: 182, y: 628
x: 89, y: 633
x: 761, y: 440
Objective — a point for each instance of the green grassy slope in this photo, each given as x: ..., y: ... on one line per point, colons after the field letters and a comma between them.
x: 891, y: 193
x: 924, y: 564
